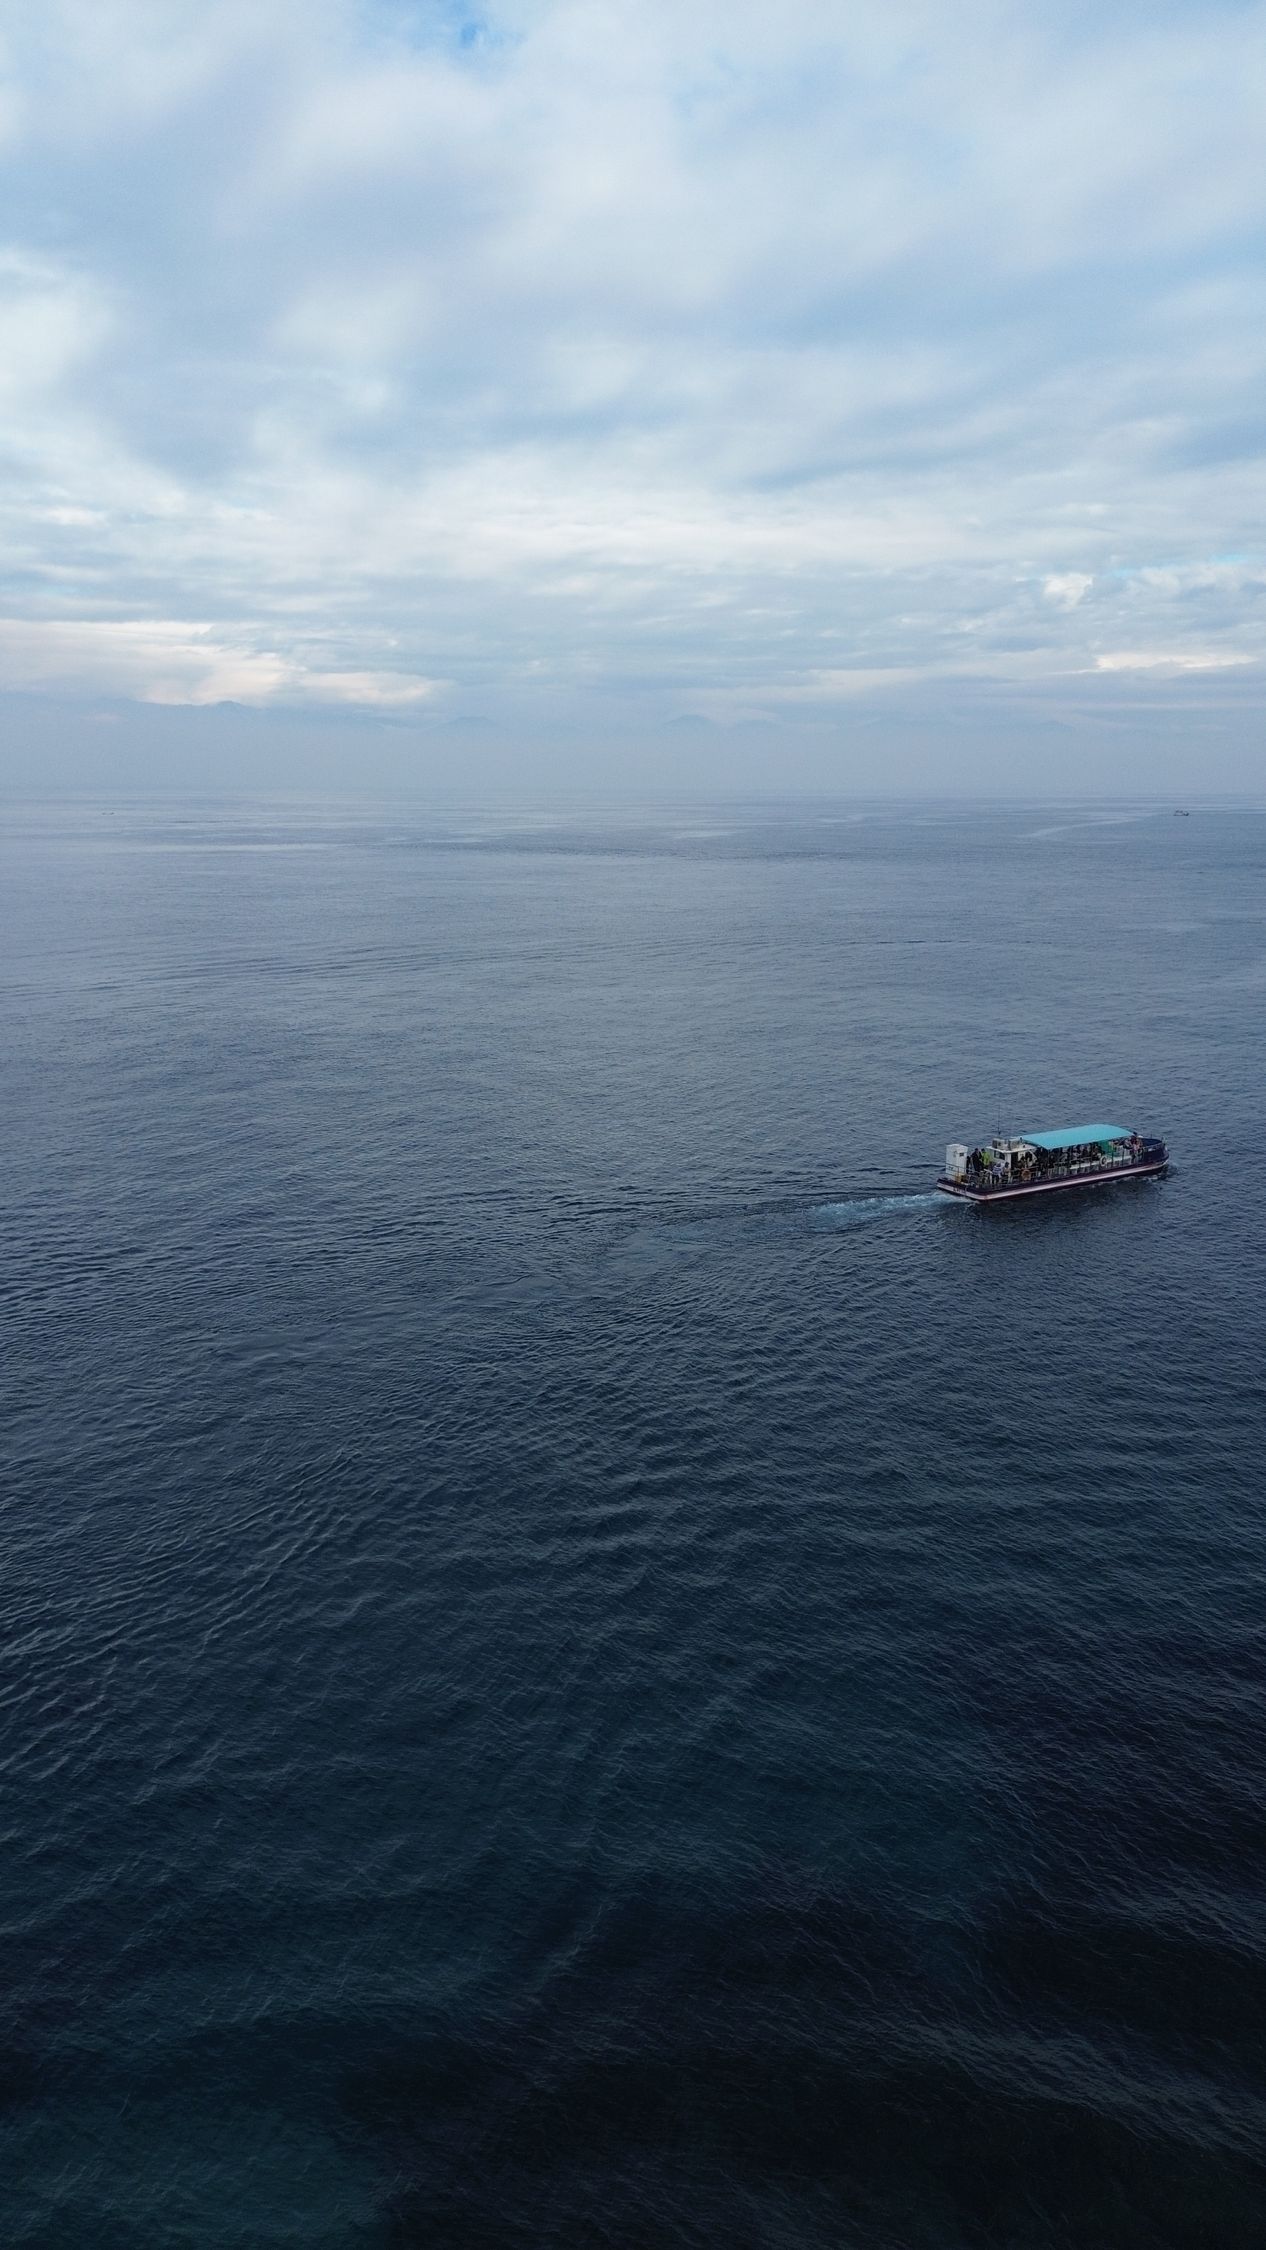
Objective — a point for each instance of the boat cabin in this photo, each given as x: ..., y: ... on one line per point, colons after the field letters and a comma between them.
x: 1023, y: 1159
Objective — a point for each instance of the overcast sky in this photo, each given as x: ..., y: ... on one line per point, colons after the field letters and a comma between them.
x: 817, y: 395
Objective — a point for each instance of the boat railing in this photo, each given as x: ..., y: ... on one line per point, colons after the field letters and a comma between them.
x: 988, y: 1181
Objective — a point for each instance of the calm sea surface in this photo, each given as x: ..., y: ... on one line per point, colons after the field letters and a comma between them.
x: 584, y: 1662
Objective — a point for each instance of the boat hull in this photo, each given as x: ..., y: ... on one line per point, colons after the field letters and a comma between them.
x: 967, y: 1194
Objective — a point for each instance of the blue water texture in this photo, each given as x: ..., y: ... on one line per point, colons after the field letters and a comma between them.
x: 587, y: 1665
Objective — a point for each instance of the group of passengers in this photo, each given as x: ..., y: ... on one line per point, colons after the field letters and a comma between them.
x: 991, y: 1167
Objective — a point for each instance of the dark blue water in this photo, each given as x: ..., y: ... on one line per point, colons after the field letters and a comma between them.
x: 584, y: 1663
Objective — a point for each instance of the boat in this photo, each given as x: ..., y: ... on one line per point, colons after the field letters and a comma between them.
x: 1070, y: 1156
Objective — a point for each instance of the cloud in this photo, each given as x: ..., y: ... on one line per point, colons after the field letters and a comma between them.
x: 1067, y: 588
x: 629, y: 362
x: 1169, y: 660
x: 161, y: 660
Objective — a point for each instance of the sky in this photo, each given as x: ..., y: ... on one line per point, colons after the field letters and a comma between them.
x: 840, y: 396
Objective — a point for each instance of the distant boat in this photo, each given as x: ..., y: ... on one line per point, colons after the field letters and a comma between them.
x: 1071, y: 1156
x: 1179, y: 814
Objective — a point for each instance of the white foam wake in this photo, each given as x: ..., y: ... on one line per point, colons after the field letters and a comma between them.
x: 862, y: 1207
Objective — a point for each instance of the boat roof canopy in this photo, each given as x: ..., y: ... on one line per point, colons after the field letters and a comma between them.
x: 1075, y: 1136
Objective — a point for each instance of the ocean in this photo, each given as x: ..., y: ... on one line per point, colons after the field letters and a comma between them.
x: 586, y: 1664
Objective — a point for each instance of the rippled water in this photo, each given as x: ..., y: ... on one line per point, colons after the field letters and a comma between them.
x: 584, y: 1661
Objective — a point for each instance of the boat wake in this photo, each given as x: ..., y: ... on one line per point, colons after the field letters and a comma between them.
x: 651, y: 1244
x: 862, y: 1207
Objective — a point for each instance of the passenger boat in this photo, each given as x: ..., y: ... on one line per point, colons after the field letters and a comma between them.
x: 1073, y: 1156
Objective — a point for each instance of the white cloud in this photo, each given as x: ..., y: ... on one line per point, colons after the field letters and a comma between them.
x: 53, y: 322
x: 1169, y: 660
x: 1067, y: 588
x: 760, y: 360
x: 165, y: 660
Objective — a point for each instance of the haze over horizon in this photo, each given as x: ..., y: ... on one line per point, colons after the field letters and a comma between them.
x: 557, y: 395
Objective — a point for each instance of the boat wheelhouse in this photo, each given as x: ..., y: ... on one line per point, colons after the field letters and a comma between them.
x: 1071, y: 1156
